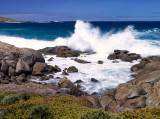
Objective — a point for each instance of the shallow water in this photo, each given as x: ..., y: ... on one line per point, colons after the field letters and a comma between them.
x: 108, y: 74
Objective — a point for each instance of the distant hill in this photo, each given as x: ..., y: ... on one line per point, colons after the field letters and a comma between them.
x: 4, y: 19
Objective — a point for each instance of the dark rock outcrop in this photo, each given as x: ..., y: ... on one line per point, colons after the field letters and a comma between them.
x: 56, y: 69
x: 81, y: 61
x: 72, y: 69
x: 100, y: 62
x: 78, y: 81
x: 50, y: 59
x: 94, y: 80
x: 60, y: 51
x: 64, y: 72
x: 124, y: 55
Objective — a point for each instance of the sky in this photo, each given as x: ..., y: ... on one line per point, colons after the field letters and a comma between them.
x: 88, y: 10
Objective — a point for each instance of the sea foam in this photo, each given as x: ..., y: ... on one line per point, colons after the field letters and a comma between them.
x: 87, y: 37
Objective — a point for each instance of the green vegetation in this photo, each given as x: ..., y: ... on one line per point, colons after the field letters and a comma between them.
x: 9, y: 92
x: 144, y: 113
x: 8, y: 100
x: 40, y: 112
x: 98, y: 114
x: 24, y: 96
x: 31, y: 106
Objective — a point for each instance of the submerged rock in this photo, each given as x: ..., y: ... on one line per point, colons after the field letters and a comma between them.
x: 115, y: 61
x: 81, y: 61
x: 50, y: 59
x: 78, y: 81
x: 100, y: 62
x: 94, y: 80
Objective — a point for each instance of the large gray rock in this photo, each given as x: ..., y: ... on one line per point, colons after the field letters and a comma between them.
x: 22, y: 67
x: 135, y: 94
x: 16, y: 61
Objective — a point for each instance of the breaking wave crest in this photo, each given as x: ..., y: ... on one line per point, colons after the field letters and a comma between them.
x: 87, y: 37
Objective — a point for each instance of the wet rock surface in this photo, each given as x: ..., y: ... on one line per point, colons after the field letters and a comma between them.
x: 124, y: 55
x: 81, y: 61
x: 94, y: 80
x: 60, y: 51
x: 72, y: 69
x: 100, y: 62
x: 78, y: 81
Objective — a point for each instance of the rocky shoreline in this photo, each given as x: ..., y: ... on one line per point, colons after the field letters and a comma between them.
x: 19, y: 65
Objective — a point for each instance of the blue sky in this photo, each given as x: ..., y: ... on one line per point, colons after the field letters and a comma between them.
x: 89, y: 10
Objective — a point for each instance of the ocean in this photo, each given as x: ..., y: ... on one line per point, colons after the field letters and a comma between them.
x: 101, y: 37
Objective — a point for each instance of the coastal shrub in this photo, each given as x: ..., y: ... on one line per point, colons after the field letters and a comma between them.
x: 24, y: 96
x: 144, y: 113
x: 32, y: 106
x: 97, y: 114
x: 8, y: 100
x: 9, y: 92
x: 1, y: 97
x: 68, y: 107
x: 40, y: 112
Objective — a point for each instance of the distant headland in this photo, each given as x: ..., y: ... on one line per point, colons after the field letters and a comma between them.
x: 6, y: 20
